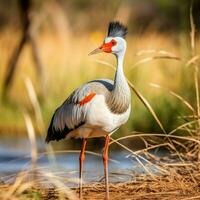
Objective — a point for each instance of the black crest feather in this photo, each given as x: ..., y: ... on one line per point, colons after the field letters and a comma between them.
x: 117, y: 29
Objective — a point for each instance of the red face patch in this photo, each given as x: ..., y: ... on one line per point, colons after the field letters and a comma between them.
x: 87, y: 98
x: 107, y: 47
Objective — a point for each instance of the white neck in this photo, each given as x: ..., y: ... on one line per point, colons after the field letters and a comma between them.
x: 121, y: 88
x: 120, y: 79
x: 119, y: 71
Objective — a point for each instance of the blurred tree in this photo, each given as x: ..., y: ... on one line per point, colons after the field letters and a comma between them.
x: 27, y: 36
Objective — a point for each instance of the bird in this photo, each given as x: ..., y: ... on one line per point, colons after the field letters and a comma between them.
x: 97, y: 108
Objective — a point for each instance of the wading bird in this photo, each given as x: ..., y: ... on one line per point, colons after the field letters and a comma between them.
x: 97, y: 108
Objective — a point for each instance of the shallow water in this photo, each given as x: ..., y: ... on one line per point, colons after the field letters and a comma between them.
x: 16, y: 157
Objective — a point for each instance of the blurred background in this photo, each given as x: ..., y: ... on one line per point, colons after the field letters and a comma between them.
x: 44, y: 48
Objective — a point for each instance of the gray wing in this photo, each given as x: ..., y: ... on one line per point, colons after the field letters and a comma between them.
x: 70, y: 115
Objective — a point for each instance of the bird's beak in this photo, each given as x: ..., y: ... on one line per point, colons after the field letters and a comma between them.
x: 97, y: 50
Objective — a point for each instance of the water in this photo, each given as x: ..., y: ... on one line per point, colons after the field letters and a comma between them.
x: 16, y: 157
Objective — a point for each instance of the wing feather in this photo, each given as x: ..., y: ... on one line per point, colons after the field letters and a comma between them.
x: 71, y: 114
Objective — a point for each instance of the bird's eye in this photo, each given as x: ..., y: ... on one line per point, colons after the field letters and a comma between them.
x: 113, y: 42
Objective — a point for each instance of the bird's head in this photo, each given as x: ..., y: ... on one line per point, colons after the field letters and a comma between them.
x: 115, y: 41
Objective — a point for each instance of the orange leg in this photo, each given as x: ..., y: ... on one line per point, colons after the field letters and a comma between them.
x: 105, y: 162
x: 81, y: 161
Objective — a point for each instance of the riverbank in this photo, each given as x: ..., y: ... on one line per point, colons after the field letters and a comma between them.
x: 182, y: 182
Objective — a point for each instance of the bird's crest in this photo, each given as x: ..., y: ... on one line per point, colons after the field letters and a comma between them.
x: 117, y: 29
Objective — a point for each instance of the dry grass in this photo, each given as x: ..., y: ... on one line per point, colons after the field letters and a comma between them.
x: 178, y: 185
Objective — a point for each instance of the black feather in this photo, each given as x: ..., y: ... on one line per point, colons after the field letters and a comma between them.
x: 116, y: 29
x: 53, y: 134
